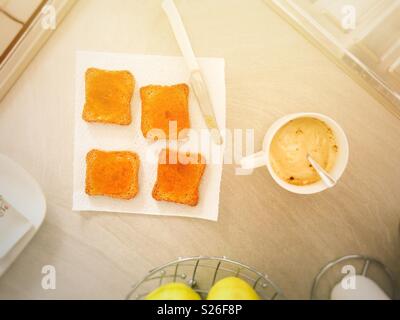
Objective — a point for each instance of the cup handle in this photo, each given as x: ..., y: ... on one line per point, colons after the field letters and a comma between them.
x: 255, y: 160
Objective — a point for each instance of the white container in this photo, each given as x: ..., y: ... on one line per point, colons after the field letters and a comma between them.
x: 365, y: 289
x: 24, y: 194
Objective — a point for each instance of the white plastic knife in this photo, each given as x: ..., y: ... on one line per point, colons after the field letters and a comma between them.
x: 196, y: 78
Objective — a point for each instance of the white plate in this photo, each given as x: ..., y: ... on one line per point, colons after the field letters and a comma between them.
x: 26, y: 196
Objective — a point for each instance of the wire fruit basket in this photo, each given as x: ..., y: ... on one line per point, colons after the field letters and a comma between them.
x: 332, y: 273
x: 201, y: 273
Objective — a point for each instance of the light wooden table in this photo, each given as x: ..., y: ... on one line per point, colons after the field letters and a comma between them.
x: 271, y: 71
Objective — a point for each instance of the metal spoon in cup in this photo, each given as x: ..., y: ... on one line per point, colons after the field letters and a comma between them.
x: 325, y: 176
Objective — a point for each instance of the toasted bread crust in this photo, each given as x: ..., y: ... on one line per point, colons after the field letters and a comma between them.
x: 108, y: 96
x: 162, y: 104
x: 178, y: 182
x: 113, y: 174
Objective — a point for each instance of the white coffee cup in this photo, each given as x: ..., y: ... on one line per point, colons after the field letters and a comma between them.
x: 262, y: 158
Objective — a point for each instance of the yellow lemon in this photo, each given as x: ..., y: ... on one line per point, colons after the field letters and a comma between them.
x: 232, y: 288
x: 173, y: 291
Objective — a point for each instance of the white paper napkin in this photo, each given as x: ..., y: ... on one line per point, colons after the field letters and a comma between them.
x: 148, y: 70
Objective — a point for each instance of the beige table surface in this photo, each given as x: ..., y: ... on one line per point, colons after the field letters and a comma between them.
x: 271, y: 71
